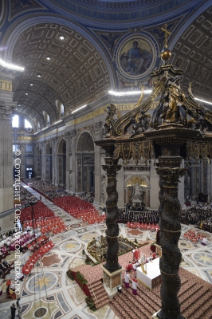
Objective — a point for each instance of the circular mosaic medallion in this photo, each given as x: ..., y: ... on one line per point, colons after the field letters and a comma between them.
x: 42, y: 282
x: 39, y: 313
x: 183, y: 244
x: 136, y: 57
x: 70, y: 246
x: 203, y: 258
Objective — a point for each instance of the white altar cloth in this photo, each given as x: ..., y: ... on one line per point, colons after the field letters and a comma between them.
x: 153, y: 276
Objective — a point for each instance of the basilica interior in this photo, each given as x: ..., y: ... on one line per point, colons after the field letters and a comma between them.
x: 70, y: 70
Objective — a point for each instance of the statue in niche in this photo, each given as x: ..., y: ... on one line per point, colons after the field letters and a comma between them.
x: 137, y: 192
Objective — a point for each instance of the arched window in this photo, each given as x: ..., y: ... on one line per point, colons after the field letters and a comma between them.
x: 62, y: 109
x: 46, y: 117
x: 15, y: 121
x: 27, y: 124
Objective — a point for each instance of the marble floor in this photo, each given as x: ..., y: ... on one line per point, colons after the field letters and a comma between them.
x: 48, y: 293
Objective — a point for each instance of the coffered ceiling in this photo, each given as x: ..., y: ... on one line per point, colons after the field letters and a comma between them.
x: 193, y: 54
x: 59, y: 64
x: 68, y: 47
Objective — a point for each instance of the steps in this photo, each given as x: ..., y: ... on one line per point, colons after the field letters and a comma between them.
x: 195, y: 298
x: 98, y: 294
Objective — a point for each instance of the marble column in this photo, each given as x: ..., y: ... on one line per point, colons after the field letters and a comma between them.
x: 97, y: 130
x: 43, y: 156
x: 193, y: 181
x: 68, y: 141
x: 23, y: 160
x: 72, y: 159
x: 54, y: 161
x: 6, y: 142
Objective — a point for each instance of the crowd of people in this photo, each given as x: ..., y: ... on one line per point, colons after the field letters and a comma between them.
x: 145, y: 216
x: 88, y: 197
x: 200, y: 216
x: 46, y: 188
x: 26, y: 196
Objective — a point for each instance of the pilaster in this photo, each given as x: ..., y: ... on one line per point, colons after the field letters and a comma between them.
x: 6, y: 141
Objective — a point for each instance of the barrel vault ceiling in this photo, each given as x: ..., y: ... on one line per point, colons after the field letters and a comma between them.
x: 75, y: 66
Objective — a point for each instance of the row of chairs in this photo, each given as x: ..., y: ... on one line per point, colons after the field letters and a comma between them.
x: 143, y: 226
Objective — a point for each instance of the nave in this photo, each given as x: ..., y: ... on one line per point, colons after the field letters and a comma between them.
x: 47, y: 287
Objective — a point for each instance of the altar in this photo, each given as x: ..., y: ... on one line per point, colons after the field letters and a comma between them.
x: 152, y: 278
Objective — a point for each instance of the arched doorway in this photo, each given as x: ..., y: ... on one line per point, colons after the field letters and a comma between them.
x: 48, y: 162
x: 132, y: 183
x: 85, y: 163
x: 61, y: 154
x: 38, y: 163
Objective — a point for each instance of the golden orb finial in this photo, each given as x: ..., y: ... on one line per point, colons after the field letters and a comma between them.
x: 165, y: 54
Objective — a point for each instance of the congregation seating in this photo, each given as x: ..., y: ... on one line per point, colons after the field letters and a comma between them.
x: 193, y: 237
x: 45, y: 188
x: 79, y: 209
x: 143, y: 226
x: 40, y: 211
x: 52, y: 225
x: 37, y: 254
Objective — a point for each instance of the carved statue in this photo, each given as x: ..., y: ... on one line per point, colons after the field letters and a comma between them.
x: 138, y: 192
x: 109, y: 121
x: 140, y: 123
x: 200, y: 121
x: 172, y: 99
x: 171, y: 107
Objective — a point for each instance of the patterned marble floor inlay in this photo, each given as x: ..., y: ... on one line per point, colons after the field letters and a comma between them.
x: 48, y: 293
x: 203, y: 258
x: 50, y: 260
x: 70, y: 246
x: 42, y: 282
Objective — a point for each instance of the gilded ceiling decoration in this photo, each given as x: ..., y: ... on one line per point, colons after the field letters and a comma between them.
x: 137, y: 180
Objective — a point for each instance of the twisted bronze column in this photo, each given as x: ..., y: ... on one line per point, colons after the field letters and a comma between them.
x: 170, y: 234
x: 112, y: 231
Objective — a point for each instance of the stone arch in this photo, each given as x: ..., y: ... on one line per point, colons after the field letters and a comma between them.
x: 143, y: 181
x: 85, y: 181
x: 48, y: 149
x: 85, y: 142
